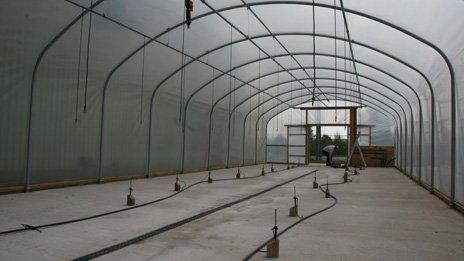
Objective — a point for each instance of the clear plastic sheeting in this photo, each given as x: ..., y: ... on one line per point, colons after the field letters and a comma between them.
x: 100, y: 89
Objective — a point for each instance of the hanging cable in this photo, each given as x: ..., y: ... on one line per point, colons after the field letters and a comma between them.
x: 335, y: 57
x: 212, y: 93
x: 230, y: 75
x: 79, y: 68
x: 87, y: 59
x: 314, y: 54
x: 249, y: 87
x: 143, y: 74
x: 188, y: 12
x: 259, y: 82
x: 278, y: 91
x: 344, y: 67
x: 182, y: 72
x: 248, y: 19
x: 235, y: 111
x: 342, y: 8
x: 291, y: 98
x: 212, y: 88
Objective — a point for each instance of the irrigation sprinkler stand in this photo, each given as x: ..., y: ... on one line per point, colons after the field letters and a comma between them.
x: 130, y: 197
x: 273, y: 246
x: 293, y: 211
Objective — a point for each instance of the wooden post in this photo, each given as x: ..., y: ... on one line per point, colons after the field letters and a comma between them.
x: 370, y: 135
x: 353, y: 126
x: 306, y: 139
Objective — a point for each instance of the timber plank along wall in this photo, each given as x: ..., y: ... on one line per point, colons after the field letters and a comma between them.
x: 375, y: 156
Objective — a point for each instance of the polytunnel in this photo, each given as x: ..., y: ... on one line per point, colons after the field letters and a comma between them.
x: 94, y: 91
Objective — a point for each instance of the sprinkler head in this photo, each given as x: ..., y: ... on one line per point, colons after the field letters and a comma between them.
x: 177, y: 184
x: 327, y: 193
x: 315, y: 185
x: 130, y: 198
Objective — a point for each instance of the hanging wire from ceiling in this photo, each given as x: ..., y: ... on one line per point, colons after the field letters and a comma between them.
x: 259, y: 83
x: 335, y: 57
x: 235, y: 111
x: 278, y: 91
x: 87, y: 59
x: 344, y: 68
x: 351, y: 51
x: 291, y: 98
x: 212, y: 87
x: 314, y: 54
x: 79, y: 68
x: 276, y: 121
x: 249, y: 86
x: 142, y: 80
x: 182, y: 72
x: 230, y: 75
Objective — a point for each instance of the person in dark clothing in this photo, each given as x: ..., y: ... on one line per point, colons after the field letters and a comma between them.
x: 329, y: 151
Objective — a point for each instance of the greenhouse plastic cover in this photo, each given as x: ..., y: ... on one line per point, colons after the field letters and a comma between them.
x: 97, y: 89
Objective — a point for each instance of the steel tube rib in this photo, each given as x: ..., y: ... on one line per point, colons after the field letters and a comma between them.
x: 354, y: 12
x: 257, y: 121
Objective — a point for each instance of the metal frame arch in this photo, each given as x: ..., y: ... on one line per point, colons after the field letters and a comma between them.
x: 376, y: 108
x: 406, y: 32
x: 286, y: 92
x: 400, y: 147
x: 32, y: 87
x: 366, y: 64
x: 364, y: 86
x: 194, y: 59
x: 438, y: 50
x: 340, y: 57
x: 399, y: 117
x: 373, y: 80
x: 283, y: 93
x: 334, y: 38
x: 307, y: 53
x: 304, y: 53
x: 305, y: 102
x: 327, y: 87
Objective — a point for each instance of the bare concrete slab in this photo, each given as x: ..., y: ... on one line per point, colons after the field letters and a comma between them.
x: 381, y: 215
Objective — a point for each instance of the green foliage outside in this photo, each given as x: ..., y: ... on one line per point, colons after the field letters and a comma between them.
x: 327, y: 140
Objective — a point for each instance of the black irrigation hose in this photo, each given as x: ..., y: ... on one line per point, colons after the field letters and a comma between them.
x: 249, y: 256
x: 250, y: 177
x: 30, y: 227
x: 179, y: 223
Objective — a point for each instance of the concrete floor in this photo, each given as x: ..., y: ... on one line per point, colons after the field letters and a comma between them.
x: 381, y: 215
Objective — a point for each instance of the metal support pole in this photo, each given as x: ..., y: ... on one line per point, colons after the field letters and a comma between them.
x: 318, y: 142
x: 288, y: 143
